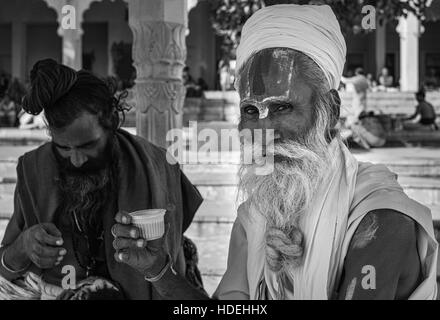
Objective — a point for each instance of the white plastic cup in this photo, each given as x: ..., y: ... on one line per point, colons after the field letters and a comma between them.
x: 150, y: 222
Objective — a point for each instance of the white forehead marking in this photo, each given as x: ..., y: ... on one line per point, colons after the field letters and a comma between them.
x: 263, y: 111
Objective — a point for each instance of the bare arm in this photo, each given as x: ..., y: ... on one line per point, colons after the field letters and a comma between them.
x: 415, y: 114
x: 382, y: 262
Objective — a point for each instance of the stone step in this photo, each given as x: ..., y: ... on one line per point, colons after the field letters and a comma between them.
x: 220, y: 204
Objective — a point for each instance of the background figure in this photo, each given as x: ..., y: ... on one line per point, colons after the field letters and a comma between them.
x: 372, y: 83
x: 8, y: 113
x: 193, y: 90
x: 424, y: 116
x: 4, y: 84
x: 432, y: 81
x: 385, y: 79
x: 28, y: 121
x: 10, y: 106
x: 368, y: 131
x: 359, y: 102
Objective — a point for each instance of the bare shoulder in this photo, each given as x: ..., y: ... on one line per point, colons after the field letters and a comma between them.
x: 385, y: 226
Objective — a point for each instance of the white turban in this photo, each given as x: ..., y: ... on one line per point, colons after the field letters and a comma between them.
x: 311, y: 29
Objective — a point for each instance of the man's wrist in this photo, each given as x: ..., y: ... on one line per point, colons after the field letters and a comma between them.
x: 160, y: 264
x: 14, y: 261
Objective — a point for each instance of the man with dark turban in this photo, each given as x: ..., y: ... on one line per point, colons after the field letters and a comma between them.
x: 72, y: 191
x: 320, y: 225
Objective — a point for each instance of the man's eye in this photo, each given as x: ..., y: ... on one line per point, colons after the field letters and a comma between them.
x: 63, y: 148
x: 88, y: 146
x: 283, y: 107
x: 251, y: 110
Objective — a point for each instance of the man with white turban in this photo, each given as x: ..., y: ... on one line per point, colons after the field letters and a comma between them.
x: 321, y: 225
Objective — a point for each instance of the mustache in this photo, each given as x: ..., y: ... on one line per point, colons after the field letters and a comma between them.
x: 92, y: 166
x: 284, y: 196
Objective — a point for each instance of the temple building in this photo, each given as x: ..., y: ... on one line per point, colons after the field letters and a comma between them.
x: 30, y: 30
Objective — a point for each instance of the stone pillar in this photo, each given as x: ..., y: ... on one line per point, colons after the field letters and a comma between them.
x: 72, y: 47
x: 19, y: 36
x: 409, y: 29
x: 381, y: 47
x: 159, y: 54
x: 72, y: 37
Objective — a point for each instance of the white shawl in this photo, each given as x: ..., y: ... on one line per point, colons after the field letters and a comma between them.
x: 351, y: 190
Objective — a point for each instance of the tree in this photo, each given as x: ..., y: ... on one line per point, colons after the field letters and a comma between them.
x: 228, y: 16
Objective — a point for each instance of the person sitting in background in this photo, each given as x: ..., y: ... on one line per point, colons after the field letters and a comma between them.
x: 424, y: 111
x: 432, y: 81
x: 193, y: 90
x: 8, y: 112
x: 368, y: 131
x: 29, y: 122
x: 385, y: 79
x: 372, y: 83
x: 4, y: 84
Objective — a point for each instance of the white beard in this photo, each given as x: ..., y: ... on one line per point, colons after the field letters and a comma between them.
x: 284, y: 195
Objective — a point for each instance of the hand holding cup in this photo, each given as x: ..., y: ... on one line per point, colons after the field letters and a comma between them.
x: 140, y: 240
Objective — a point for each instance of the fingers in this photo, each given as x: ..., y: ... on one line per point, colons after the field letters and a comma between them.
x: 43, y: 262
x: 46, y: 257
x: 125, y: 243
x: 51, y: 229
x: 123, y: 218
x: 125, y: 231
x: 122, y: 256
x: 49, y: 235
x: 46, y: 251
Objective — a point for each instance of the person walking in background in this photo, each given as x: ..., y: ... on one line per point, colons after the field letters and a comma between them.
x: 359, y: 102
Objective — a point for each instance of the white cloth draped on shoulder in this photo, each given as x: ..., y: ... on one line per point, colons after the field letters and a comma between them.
x: 350, y: 191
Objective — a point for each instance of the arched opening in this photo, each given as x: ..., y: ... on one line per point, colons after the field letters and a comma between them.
x: 430, y: 48
x: 28, y: 29
x: 107, y: 40
x: 201, y: 45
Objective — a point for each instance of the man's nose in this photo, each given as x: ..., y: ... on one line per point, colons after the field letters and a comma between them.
x: 77, y: 159
x: 265, y: 123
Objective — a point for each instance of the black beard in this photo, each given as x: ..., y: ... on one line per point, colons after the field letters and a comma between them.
x: 87, y: 191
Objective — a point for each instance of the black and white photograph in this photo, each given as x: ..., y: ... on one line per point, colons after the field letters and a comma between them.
x: 222, y: 150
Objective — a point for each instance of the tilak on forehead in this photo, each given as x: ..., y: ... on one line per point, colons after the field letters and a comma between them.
x: 313, y: 30
x: 268, y: 75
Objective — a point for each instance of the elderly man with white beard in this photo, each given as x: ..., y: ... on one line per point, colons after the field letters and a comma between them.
x: 321, y: 225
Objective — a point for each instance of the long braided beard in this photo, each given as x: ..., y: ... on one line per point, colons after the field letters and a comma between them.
x: 284, y: 196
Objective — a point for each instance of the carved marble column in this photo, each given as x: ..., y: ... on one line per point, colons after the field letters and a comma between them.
x: 410, y: 30
x: 159, y: 54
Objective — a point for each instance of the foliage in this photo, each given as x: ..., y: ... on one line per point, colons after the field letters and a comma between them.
x: 228, y: 16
